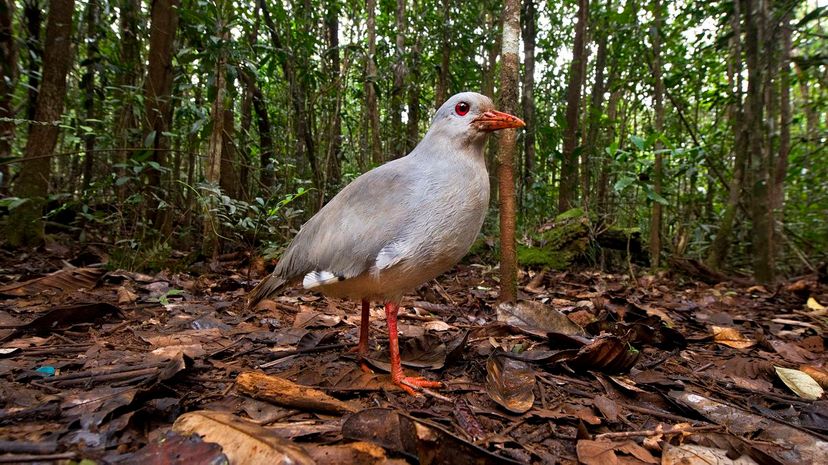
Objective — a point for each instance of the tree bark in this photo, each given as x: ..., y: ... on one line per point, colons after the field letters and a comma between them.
x: 127, y: 80
x: 8, y: 81
x: 763, y: 267
x: 88, y: 85
x: 781, y: 168
x: 658, y: 168
x: 372, y: 109
x: 528, y: 96
x: 568, y: 190
x: 34, y: 19
x: 441, y: 93
x: 212, y: 171
x: 737, y: 116
x: 396, y: 144
x: 334, y: 155
x: 506, y: 151
x: 595, y: 110
x: 229, y: 181
x: 158, y: 96
x: 25, y: 226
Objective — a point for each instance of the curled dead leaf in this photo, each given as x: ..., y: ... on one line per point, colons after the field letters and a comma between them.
x: 289, y: 394
x: 801, y: 383
x: 510, y: 383
x: 731, y: 337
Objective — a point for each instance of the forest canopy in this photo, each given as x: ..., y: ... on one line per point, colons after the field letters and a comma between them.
x: 223, y: 125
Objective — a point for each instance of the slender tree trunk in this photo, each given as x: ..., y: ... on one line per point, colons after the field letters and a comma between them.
x: 126, y: 130
x: 266, y: 145
x: 568, y: 191
x: 372, y: 108
x: 595, y: 110
x: 603, y: 187
x: 506, y: 153
x: 781, y: 168
x: 658, y: 168
x: 396, y: 145
x: 8, y: 81
x: 245, y: 121
x: 334, y: 155
x: 158, y: 97
x: 25, y: 226
x: 229, y: 181
x: 721, y: 243
x: 441, y: 93
x: 763, y: 268
x: 528, y: 97
x: 33, y: 18
x: 212, y: 171
x: 305, y: 147
x: 88, y: 85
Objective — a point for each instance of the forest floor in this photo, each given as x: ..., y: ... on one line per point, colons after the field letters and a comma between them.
x: 120, y: 367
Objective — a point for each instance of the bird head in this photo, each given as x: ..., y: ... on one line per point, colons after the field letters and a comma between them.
x: 468, y: 117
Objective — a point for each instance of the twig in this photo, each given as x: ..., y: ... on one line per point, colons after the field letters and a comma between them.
x: 656, y: 432
x: 427, y: 391
x: 288, y: 353
x: 657, y: 413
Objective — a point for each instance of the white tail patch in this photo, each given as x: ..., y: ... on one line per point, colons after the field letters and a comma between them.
x: 319, y: 278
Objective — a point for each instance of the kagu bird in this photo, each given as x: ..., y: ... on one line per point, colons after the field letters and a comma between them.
x: 400, y: 224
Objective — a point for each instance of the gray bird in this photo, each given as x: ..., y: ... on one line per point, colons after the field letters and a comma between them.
x: 400, y: 224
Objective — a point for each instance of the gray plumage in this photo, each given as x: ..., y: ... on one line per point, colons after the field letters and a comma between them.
x: 400, y: 224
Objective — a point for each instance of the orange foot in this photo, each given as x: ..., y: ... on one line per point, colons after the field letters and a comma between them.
x: 406, y: 382
x: 361, y: 353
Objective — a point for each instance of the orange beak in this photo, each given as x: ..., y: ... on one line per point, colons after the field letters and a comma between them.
x: 496, y: 120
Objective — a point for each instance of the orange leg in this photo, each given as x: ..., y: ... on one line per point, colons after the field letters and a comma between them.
x: 362, y: 347
x: 397, y: 376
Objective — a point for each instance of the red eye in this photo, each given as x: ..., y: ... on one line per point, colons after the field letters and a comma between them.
x: 461, y: 108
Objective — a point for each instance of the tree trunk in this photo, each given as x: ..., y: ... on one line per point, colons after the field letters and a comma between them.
x: 595, y: 110
x: 506, y: 151
x: 212, y: 171
x: 88, y: 85
x: 33, y: 18
x: 334, y: 155
x: 737, y: 116
x: 127, y: 80
x: 25, y: 226
x: 371, y: 105
x: 229, y: 181
x: 266, y: 145
x: 763, y: 268
x: 781, y: 168
x: 158, y: 96
x: 568, y: 190
x: 658, y: 169
x: 305, y: 146
x: 396, y: 145
x: 8, y: 81
x: 528, y: 96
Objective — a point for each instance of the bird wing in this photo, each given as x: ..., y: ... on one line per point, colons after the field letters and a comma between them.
x: 353, y: 231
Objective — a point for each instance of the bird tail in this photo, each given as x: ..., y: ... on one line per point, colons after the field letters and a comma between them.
x: 265, y: 289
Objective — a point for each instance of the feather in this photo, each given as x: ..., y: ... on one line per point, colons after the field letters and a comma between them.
x: 320, y: 278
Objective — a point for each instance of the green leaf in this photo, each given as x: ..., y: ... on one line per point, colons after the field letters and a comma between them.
x: 623, y: 183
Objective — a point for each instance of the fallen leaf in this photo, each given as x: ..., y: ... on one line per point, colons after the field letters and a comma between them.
x: 176, y: 449
x: 421, y: 440
x: 510, y: 383
x: 689, y: 454
x: 310, y: 318
x: 731, y: 337
x: 536, y: 318
x: 603, y: 452
x: 785, y: 443
x: 800, y: 383
x: 354, y: 453
x: 289, y: 394
x: 427, y: 352
x: 125, y: 296
x: 60, y: 281
x: 243, y: 442
x: 819, y: 374
x: 814, y: 305
x: 607, y: 407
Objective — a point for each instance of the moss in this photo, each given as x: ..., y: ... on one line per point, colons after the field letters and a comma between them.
x: 557, y: 243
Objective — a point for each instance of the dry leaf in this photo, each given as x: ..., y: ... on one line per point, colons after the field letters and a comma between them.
x: 815, y: 306
x: 688, y: 454
x: 800, y: 383
x: 289, y: 394
x: 510, y: 383
x: 244, y: 442
x: 819, y: 375
x: 731, y: 337
x: 60, y: 281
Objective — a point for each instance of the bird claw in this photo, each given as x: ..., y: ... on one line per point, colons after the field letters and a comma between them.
x: 410, y: 383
